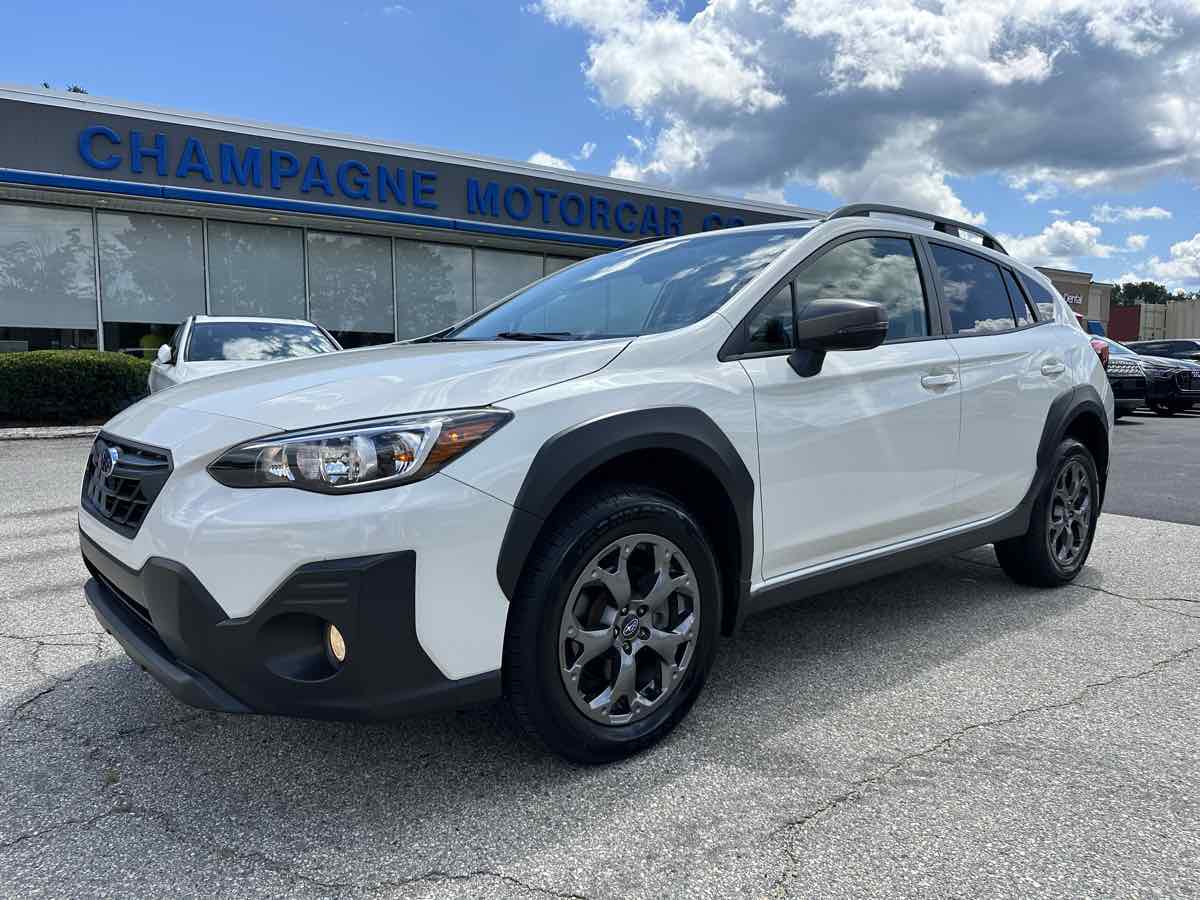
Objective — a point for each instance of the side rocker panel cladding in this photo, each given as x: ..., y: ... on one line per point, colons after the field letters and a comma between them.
x: 571, y: 455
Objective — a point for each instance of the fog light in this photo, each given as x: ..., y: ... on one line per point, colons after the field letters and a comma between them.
x: 335, y: 642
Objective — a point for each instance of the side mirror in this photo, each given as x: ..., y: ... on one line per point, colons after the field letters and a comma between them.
x: 164, y: 354
x: 825, y: 325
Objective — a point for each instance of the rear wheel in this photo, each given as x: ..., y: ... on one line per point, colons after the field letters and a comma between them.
x: 1062, y: 524
x: 614, y: 625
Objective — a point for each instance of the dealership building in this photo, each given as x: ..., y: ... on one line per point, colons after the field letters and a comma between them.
x: 1087, y: 298
x: 119, y: 220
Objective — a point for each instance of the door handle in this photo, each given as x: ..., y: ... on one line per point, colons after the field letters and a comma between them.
x: 941, y: 380
x: 1051, y: 369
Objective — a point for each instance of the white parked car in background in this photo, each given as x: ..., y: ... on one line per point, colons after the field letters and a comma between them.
x: 209, y: 345
x: 567, y: 499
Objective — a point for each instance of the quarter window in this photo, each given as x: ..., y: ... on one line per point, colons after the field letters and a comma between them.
x: 1020, y: 305
x: 772, y: 325
x: 881, y: 269
x: 974, y: 291
x: 1042, y: 298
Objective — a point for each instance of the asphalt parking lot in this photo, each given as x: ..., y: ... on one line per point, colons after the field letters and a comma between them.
x: 936, y: 733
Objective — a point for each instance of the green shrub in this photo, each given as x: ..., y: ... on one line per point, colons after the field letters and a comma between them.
x: 69, y: 386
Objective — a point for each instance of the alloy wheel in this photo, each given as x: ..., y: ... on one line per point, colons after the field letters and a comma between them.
x: 1070, y: 514
x: 629, y: 629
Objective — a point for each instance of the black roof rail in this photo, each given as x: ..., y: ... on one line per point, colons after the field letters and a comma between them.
x: 940, y: 223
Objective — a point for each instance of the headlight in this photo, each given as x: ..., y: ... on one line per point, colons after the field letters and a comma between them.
x: 359, y: 456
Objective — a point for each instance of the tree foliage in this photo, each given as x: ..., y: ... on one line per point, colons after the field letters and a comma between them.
x: 1137, y: 293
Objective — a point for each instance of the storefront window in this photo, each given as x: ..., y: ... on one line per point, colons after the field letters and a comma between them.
x: 18, y: 339
x: 554, y: 263
x: 350, y: 287
x: 433, y: 287
x: 500, y: 272
x: 47, y: 278
x: 255, y: 270
x: 151, y: 277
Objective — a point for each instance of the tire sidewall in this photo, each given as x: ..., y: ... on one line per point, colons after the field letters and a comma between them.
x: 1067, y: 451
x: 649, y: 513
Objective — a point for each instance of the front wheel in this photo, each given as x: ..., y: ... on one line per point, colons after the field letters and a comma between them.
x: 614, y: 625
x: 1062, y: 524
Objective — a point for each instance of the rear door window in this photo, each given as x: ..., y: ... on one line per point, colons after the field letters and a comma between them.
x: 974, y: 291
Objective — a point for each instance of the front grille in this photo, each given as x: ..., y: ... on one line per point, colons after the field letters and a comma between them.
x: 1187, y: 381
x: 1119, y: 366
x: 121, y: 480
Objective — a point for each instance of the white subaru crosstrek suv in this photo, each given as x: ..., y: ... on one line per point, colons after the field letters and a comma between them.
x: 568, y: 498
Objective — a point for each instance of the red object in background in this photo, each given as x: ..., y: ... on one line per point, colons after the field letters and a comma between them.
x: 1101, y: 349
x: 1124, y: 322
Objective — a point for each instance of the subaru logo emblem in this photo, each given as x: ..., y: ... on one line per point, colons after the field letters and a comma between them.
x: 108, y: 460
x: 630, y: 628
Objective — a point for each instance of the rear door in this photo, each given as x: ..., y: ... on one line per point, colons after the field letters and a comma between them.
x: 1011, y: 370
x: 861, y: 455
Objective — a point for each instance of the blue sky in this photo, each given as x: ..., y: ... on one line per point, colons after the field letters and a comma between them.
x: 813, y: 103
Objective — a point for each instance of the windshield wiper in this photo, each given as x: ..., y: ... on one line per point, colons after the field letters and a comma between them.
x: 534, y: 335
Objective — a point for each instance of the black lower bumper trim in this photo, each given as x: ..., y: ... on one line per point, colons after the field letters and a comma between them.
x: 146, y: 649
x: 275, y: 661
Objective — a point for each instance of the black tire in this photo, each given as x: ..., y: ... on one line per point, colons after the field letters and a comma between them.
x: 533, y: 682
x: 1030, y: 559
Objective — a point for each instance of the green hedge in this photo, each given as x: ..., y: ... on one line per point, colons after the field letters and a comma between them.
x: 69, y: 386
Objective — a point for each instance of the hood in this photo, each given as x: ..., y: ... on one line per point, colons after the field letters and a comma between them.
x: 388, y: 380
x: 216, y: 367
x: 1167, y: 361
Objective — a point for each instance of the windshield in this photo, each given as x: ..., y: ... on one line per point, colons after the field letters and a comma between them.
x: 644, y: 289
x: 255, y: 341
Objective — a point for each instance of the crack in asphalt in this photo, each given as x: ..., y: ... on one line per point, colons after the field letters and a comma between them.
x: 65, y: 824
x: 858, y: 788
x: 1145, y: 602
x: 439, y: 876
x: 168, y: 825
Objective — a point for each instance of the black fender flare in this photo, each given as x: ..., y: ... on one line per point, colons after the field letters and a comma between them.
x: 571, y: 455
x: 1066, y: 409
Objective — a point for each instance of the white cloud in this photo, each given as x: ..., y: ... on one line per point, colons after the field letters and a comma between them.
x: 395, y: 8
x: 900, y: 171
x: 1182, y: 269
x: 1058, y: 244
x: 1135, y: 243
x: 1059, y: 213
x: 1045, y: 192
x: 643, y: 58
x: 1106, y: 212
x: 542, y: 158
x: 900, y: 96
x: 766, y: 195
x: 586, y: 151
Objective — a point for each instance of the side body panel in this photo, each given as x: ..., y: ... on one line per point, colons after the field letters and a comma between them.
x: 859, y: 456
x: 1009, y: 381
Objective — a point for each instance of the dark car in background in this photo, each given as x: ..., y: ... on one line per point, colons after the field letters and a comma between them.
x: 1172, y: 385
x: 1126, y: 375
x: 1173, y: 348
